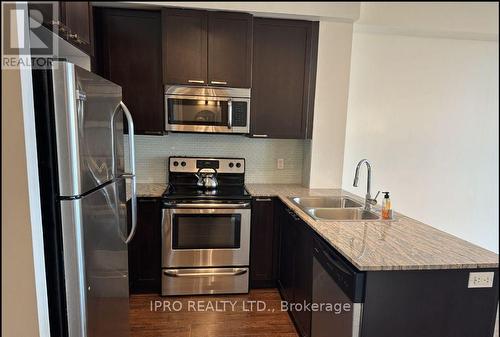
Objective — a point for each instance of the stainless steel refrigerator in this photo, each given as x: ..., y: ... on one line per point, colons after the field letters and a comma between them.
x: 80, y: 141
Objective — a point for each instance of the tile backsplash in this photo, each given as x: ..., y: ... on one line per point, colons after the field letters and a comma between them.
x: 152, y: 153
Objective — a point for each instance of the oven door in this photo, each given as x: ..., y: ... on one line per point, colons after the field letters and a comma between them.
x: 205, y: 237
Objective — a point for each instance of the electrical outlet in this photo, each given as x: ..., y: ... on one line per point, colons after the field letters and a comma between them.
x: 280, y: 164
x: 481, y: 280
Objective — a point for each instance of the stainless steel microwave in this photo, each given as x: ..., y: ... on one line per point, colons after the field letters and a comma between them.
x: 207, y: 109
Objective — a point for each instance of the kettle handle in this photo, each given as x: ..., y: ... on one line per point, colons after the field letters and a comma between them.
x: 203, y: 168
x: 197, y: 174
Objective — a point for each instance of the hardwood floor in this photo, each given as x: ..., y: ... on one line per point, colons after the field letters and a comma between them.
x: 156, y: 316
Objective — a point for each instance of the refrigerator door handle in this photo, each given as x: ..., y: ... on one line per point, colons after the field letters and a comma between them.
x: 131, y: 174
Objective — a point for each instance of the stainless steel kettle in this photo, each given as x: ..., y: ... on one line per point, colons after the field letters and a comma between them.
x: 207, y: 180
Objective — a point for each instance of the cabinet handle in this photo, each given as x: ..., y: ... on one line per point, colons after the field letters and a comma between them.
x: 263, y: 199
x: 293, y: 215
x: 75, y: 38
x: 61, y: 27
x: 260, y: 136
x: 218, y: 82
x: 196, y: 81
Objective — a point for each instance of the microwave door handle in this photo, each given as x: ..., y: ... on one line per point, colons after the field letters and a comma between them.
x: 229, y: 114
x: 131, y: 175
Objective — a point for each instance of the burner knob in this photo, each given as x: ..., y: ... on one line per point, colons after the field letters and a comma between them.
x: 231, y: 165
x: 238, y: 165
x: 176, y: 163
x: 183, y: 163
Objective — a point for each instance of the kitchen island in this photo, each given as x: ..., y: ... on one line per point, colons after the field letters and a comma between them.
x: 412, y: 279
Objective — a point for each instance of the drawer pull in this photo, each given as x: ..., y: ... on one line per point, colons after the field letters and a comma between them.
x: 260, y: 136
x: 196, y: 81
x: 218, y: 82
x: 263, y: 199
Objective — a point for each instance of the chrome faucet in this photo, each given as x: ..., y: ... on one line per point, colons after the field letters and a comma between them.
x: 369, y: 201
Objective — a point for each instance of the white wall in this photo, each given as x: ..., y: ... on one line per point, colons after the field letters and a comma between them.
x: 477, y: 20
x: 24, y: 295
x: 424, y: 111
x: 330, y: 107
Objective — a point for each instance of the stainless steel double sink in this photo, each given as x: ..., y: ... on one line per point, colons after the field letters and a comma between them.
x: 334, y: 208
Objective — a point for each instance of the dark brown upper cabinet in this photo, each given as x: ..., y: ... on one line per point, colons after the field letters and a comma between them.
x: 129, y: 54
x: 207, y: 48
x: 74, y: 22
x: 184, y: 46
x: 230, y: 49
x: 77, y: 16
x: 283, y: 78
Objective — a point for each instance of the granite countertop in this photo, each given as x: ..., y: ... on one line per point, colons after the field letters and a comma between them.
x: 401, y: 244
x: 148, y: 190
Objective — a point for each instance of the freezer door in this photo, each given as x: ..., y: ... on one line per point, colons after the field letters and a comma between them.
x: 89, y: 140
x: 96, y: 262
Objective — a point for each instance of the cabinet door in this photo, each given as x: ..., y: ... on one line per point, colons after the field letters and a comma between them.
x: 77, y: 16
x: 229, y: 49
x: 262, y: 243
x: 303, y: 277
x: 287, y: 255
x: 130, y: 55
x: 184, y: 46
x: 144, y: 252
x: 73, y: 22
x: 283, y: 78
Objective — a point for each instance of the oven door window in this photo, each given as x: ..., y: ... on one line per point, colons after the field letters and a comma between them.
x: 197, y: 112
x: 206, y: 231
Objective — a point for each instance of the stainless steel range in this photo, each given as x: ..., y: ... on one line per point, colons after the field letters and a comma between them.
x: 205, y: 227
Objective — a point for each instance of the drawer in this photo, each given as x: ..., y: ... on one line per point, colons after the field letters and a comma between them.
x: 198, y: 281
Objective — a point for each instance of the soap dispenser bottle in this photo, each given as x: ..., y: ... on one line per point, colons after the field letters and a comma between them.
x: 386, y: 207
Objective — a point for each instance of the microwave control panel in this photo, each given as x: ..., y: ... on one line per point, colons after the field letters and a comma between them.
x: 239, y: 113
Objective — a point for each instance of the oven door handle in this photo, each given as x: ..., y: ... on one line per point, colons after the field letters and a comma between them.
x: 208, y: 205
x: 179, y: 273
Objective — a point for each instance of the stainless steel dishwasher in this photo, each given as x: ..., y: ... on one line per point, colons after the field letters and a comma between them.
x: 338, y: 290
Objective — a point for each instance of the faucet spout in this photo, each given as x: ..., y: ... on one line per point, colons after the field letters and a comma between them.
x: 368, y: 199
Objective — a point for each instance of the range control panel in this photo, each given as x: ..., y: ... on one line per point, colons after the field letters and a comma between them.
x: 193, y: 164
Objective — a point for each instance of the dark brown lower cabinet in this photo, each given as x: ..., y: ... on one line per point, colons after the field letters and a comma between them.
x: 144, y: 251
x: 295, y: 268
x: 264, y: 243
x: 431, y: 303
